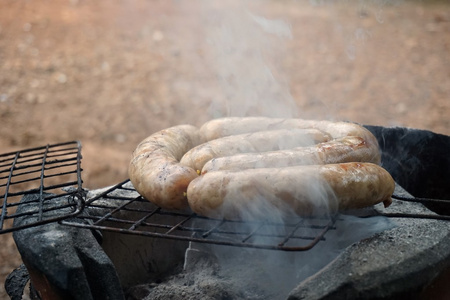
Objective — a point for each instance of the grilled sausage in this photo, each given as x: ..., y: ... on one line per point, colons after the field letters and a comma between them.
x: 260, y: 141
x: 155, y: 171
x: 304, y: 190
x: 234, y: 125
x: 346, y: 149
x: 221, y: 127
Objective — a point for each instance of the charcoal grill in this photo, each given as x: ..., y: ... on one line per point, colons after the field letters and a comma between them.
x: 120, y: 209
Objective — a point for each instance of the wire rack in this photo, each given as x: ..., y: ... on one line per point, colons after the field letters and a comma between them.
x: 121, y: 209
x: 40, y: 185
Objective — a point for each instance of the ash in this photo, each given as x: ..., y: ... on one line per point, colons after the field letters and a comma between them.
x: 224, y: 272
x: 202, y: 279
x: 206, y: 277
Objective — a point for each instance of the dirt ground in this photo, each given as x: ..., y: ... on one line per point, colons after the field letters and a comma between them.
x: 110, y: 73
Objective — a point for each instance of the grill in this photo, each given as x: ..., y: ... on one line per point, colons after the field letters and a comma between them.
x: 43, y: 185
x: 52, y: 173
x: 121, y: 209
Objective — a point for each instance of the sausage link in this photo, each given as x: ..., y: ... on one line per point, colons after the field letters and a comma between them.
x: 304, y: 190
x: 234, y: 125
x: 346, y: 149
x: 221, y: 127
x: 260, y: 141
x: 155, y: 171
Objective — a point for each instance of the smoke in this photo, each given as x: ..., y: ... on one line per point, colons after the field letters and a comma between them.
x: 275, y: 273
x: 243, y: 50
x: 242, y: 60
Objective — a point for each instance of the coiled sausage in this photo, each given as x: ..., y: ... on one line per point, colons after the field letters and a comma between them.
x: 155, y: 170
x: 346, y: 149
x: 260, y: 141
x: 303, y: 190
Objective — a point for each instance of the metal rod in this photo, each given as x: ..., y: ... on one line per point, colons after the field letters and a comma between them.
x: 199, y: 240
x: 47, y: 168
x: 416, y: 216
x: 48, y: 163
x: 32, y: 212
x: 291, y: 233
x: 5, y: 202
x: 421, y: 200
x: 319, y: 237
x: 213, y: 229
x: 42, y: 184
x: 140, y: 221
x: 106, y: 216
x: 252, y: 232
x: 79, y: 169
x: 107, y: 191
x: 39, y: 148
x: 36, y: 190
x: 38, y: 177
x: 179, y: 224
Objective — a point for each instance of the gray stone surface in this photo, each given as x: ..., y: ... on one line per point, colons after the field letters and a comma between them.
x: 71, y: 260
x: 138, y: 259
x: 394, y: 264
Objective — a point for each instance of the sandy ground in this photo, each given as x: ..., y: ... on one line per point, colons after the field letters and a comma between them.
x: 110, y: 73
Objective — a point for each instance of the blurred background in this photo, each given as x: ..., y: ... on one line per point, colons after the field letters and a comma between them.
x: 110, y: 73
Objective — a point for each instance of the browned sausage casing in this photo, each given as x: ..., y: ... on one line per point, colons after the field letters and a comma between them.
x: 346, y: 149
x: 155, y: 171
x: 260, y: 141
x: 304, y: 190
x: 217, y: 128
x: 221, y: 127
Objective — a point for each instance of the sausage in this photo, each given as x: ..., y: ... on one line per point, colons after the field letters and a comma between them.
x: 346, y: 149
x: 155, y: 170
x: 260, y: 141
x: 302, y: 190
x: 221, y: 127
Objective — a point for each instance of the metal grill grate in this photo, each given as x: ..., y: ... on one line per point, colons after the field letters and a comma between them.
x: 121, y: 209
x: 49, y: 174
x: 424, y: 201
x: 51, y: 178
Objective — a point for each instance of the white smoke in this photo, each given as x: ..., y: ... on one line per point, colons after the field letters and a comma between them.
x: 243, y: 49
x: 276, y: 273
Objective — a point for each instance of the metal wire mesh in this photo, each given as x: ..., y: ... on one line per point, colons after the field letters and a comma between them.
x: 50, y: 173
x: 51, y: 176
x: 120, y: 209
